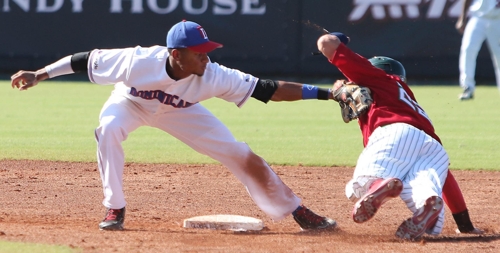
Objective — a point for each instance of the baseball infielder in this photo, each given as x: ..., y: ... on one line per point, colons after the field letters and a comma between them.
x: 483, y: 24
x: 402, y: 156
x: 161, y: 87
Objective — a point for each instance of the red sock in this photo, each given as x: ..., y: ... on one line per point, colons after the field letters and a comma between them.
x: 452, y: 195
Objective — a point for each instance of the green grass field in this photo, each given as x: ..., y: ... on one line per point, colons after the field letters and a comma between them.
x: 18, y: 247
x: 56, y: 120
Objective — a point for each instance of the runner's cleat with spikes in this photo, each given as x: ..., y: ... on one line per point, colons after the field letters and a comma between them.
x: 380, y: 192
x: 425, y: 218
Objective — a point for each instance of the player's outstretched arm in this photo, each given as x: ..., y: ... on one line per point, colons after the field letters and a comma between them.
x: 70, y: 64
x: 291, y: 91
x: 269, y: 90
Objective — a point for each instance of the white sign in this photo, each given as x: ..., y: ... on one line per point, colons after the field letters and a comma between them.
x: 404, y: 9
x: 219, y: 7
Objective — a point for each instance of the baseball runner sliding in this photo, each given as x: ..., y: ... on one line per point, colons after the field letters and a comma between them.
x: 402, y: 156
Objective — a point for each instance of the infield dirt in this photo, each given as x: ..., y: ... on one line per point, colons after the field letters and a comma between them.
x: 60, y: 203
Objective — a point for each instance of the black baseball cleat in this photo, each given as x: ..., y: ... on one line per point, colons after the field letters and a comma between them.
x: 308, y: 220
x: 113, y: 220
x: 465, y: 224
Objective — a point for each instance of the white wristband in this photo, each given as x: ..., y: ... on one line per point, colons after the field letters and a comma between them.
x: 60, y: 67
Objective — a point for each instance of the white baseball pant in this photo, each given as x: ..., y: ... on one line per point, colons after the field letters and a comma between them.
x: 202, y: 131
x: 476, y: 32
x: 402, y: 151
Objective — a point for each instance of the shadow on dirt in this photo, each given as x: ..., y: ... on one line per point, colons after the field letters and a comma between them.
x: 471, y: 238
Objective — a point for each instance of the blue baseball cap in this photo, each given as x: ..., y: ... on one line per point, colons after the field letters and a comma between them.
x: 187, y: 34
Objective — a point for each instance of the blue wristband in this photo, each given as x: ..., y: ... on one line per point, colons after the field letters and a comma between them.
x: 309, y: 91
x: 341, y: 37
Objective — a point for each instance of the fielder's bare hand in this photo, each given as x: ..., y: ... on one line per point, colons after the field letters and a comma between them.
x: 460, y: 25
x: 24, y: 80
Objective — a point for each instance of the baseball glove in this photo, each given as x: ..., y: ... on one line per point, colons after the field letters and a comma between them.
x: 354, y: 100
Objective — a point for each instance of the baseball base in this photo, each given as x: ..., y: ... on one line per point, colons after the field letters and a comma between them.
x: 224, y: 222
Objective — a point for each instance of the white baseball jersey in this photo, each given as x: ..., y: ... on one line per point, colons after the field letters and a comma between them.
x: 145, y: 95
x: 483, y: 25
x: 139, y: 74
x: 485, y: 8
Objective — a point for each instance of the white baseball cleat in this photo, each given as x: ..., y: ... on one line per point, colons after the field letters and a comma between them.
x: 380, y: 192
x: 425, y: 218
x: 468, y: 94
x: 475, y: 231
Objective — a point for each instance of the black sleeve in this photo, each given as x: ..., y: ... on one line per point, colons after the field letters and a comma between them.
x: 264, y: 90
x: 79, y: 62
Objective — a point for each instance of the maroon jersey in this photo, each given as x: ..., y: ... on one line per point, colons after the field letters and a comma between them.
x: 393, y: 101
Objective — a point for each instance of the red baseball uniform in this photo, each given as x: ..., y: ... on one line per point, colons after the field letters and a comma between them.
x: 392, y: 105
x: 398, y: 136
x: 394, y: 102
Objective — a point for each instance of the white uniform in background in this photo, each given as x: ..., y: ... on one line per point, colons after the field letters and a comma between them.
x: 145, y: 95
x: 483, y: 24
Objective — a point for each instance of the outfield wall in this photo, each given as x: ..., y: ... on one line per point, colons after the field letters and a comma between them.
x: 262, y: 37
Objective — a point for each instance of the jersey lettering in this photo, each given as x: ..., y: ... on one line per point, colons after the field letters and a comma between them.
x: 403, y: 96
x: 164, y: 98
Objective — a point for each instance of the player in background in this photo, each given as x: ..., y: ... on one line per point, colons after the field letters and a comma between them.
x: 161, y: 87
x: 403, y: 156
x: 483, y: 24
